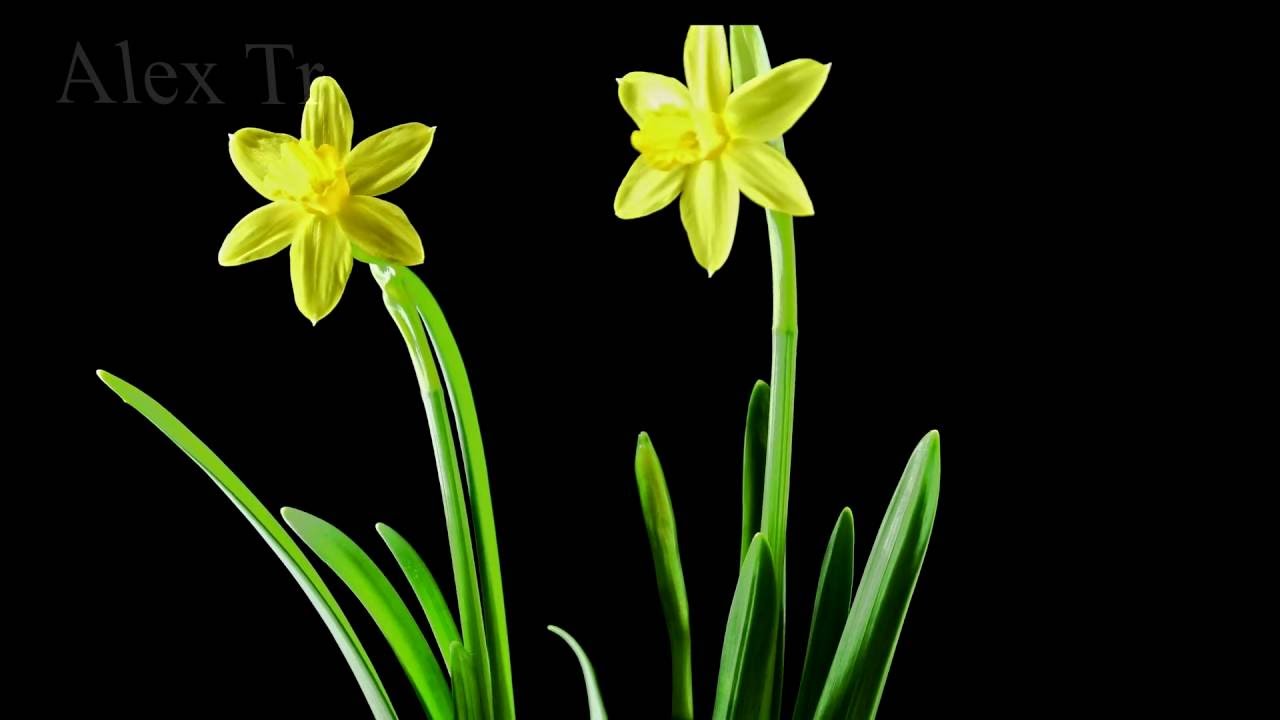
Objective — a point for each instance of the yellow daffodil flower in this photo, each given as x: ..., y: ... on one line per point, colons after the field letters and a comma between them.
x: 323, y: 197
x: 706, y: 144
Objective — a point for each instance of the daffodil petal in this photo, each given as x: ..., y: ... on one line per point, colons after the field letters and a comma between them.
x: 768, y: 105
x: 255, y: 153
x: 381, y: 229
x: 646, y: 189
x: 263, y: 233
x: 319, y: 265
x: 709, y: 209
x: 645, y: 92
x: 383, y: 162
x: 767, y: 177
x: 326, y: 120
x: 706, y: 66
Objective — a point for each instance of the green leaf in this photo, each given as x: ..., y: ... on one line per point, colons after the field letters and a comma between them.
x: 275, y: 536
x: 754, y: 447
x: 830, y: 610
x: 594, y: 702
x: 439, y: 616
x: 870, y: 635
x: 379, y: 598
x: 660, y: 523
x: 744, y: 688
x: 484, y: 595
x: 465, y: 687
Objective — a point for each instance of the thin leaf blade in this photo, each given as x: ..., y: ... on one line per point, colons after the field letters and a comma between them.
x: 355, y: 568
x: 830, y: 611
x: 660, y: 525
x: 436, y: 608
x: 595, y: 703
x: 744, y: 689
x: 754, y: 446
x: 465, y: 684
x: 861, y: 664
x: 284, y: 546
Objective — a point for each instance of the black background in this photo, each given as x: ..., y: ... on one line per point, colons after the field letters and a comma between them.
x: 950, y: 279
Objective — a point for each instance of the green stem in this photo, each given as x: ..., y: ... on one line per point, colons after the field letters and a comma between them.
x: 398, y: 300
x: 749, y: 59
x: 477, y: 475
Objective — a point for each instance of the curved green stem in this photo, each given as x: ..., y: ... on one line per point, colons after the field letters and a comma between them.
x: 400, y: 305
x: 749, y: 59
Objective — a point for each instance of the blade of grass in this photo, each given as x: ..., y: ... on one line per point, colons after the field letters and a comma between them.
x: 830, y: 610
x: 744, y: 689
x: 660, y: 523
x: 870, y: 635
x: 439, y: 616
x: 400, y: 304
x: 477, y: 476
x: 272, y: 533
x: 754, y: 448
x: 750, y: 58
x: 374, y: 591
x: 594, y: 702
x: 462, y: 668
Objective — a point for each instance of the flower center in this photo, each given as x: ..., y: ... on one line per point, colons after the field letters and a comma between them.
x: 669, y: 137
x: 313, y: 176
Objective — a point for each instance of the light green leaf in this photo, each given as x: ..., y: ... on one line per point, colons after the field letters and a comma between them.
x: 870, y: 635
x: 660, y: 523
x: 273, y: 533
x: 374, y: 591
x: 754, y: 446
x: 462, y: 668
x: 830, y: 610
x: 439, y: 616
x: 594, y: 702
x: 744, y: 688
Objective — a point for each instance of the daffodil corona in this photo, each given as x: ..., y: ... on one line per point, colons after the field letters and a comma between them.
x: 706, y: 145
x: 323, y: 197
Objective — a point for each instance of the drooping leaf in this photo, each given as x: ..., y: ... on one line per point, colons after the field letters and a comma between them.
x: 861, y: 664
x: 660, y: 523
x: 830, y: 611
x: 439, y: 616
x: 272, y: 533
x: 355, y: 568
x: 744, y: 689
x: 595, y: 703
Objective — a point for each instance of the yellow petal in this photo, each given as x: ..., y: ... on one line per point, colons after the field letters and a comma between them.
x: 319, y: 265
x: 706, y: 66
x: 326, y: 120
x: 646, y: 190
x: 767, y: 177
x: 256, y: 154
x: 768, y: 105
x: 709, y: 209
x: 643, y: 92
x: 383, y: 162
x: 263, y: 233
x: 381, y: 230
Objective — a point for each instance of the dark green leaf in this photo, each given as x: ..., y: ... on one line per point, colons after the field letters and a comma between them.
x: 744, y: 688
x: 754, y: 445
x: 830, y: 611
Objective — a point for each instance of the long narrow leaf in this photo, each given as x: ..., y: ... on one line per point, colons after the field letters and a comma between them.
x: 462, y: 668
x: 870, y: 635
x: 374, y: 591
x: 744, y: 689
x: 477, y: 476
x: 830, y: 610
x: 439, y: 616
x: 594, y: 702
x: 397, y: 296
x: 273, y: 533
x: 660, y: 522
x: 754, y: 445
